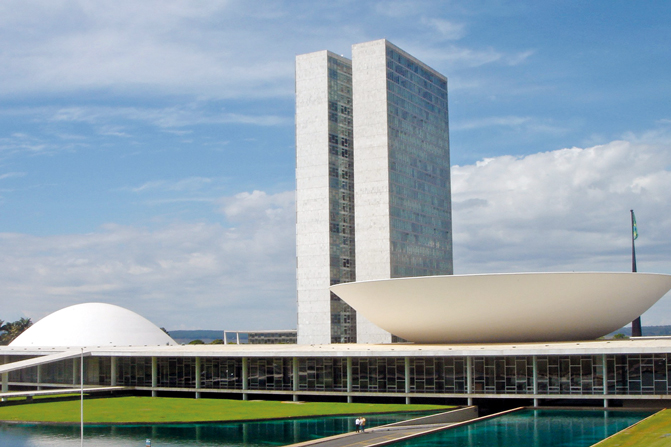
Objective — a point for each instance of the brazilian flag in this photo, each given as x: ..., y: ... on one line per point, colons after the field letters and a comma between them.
x: 634, y: 228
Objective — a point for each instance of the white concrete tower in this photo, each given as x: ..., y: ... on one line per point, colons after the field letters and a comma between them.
x: 372, y: 181
x: 402, y: 169
x: 324, y: 197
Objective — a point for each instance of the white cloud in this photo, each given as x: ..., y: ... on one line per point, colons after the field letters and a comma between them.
x: 115, y: 122
x: 446, y: 28
x: 166, y: 118
x: 186, y: 184
x: 12, y: 175
x: 518, y: 58
x: 507, y: 121
x: 24, y: 143
x: 184, y: 275
x: 214, y: 49
x: 454, y: 57
x: 566, y: 210
x: 553, y: 211
x: 258, y: 206
x: 524, y: 123
x: 153, y: 46
x: 458, y: 57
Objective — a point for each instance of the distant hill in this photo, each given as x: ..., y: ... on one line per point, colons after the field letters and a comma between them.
x: 648, y: 331
x: 199, y: 334
x: 207, y: 336
x: 184, y: 337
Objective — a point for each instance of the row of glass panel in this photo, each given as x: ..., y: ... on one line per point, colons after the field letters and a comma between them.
x: 426, y: 79
x: 625, y: 374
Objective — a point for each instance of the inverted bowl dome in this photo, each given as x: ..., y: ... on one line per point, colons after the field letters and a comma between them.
x: 505, y: 307
x: 93, y: 324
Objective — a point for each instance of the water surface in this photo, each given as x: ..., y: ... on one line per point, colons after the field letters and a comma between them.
x: 239, y: 434
x: 527, y: 428
x: 534, y: 428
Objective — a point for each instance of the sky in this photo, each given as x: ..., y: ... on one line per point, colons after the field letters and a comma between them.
x: 147, y: 149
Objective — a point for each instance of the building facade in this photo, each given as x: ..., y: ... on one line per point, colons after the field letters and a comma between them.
x: 402, y: 169
x: 260, y: 337
x: 372, y: 181
x: 608, y: 373
x: 324, y: 197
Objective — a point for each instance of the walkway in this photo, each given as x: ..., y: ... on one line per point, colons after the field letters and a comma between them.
x: 374, y: 437
x: 87, y: 390
x: 43, y: 360
x: 387, y: 434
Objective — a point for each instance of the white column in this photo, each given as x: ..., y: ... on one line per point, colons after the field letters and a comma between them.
x: 39, y: 377
x: 75, y: 370
x: 245, y: 377
x: 604, y: 371
x: 81, y: 398
x: 407, y: 380
x: 197, y: 377
x: 469, y: 379
x: 5, y: 379
x: 535, y: 379
x: 113, y: 366
x: 5, y: 385
x: 154, y: 376
x: 349, y: 380
x: 294, y: 378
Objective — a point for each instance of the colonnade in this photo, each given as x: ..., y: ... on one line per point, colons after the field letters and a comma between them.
x: 472, y: 386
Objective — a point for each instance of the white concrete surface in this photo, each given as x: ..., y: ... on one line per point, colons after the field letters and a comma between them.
x: 93, y: 324
x: 514, y: 307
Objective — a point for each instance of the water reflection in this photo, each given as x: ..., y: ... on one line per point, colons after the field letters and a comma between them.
x: 535, y: 428
x: 529, y: 428
x: 248, y: 434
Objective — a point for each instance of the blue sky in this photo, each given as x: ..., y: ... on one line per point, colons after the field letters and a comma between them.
x: 147, y: 148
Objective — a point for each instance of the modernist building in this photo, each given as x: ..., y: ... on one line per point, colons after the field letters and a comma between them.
x: 273, y: 337
x: 603, y: 372
x: 372, y: 181
x: 92, y: 341
x: 383, y: 198
x: 324, y: 196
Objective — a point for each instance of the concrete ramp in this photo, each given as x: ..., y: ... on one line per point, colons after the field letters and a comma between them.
x: 388, y: 434
x: 447, y: 417
x: 87, y: 390
x: 42, y: 360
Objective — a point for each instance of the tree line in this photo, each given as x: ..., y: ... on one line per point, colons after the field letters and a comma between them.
x: 11, y: 329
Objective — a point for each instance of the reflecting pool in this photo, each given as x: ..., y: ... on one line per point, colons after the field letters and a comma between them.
x: 247, y: 434
x: 526, y: 428
x: 534, y: 428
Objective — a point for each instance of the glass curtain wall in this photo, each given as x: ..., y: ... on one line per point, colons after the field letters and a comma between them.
x: 341, y: 195
x: 626, y: 374
x: 419, y: 169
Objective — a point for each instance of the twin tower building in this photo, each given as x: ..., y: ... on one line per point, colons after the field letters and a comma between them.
x: 372, y: 181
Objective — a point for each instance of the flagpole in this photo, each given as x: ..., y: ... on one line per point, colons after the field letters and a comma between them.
x: 636, y: 324
x: 81, y: 400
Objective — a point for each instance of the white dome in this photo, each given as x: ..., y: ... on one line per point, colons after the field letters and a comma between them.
x: 93, y: 324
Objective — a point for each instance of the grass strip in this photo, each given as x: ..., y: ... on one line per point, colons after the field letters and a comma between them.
x: 164, y: 410
x: 654, y: 431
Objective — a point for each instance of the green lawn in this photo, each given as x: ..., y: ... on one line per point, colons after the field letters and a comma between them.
x: 162, y: 409
x: 654, y: 431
